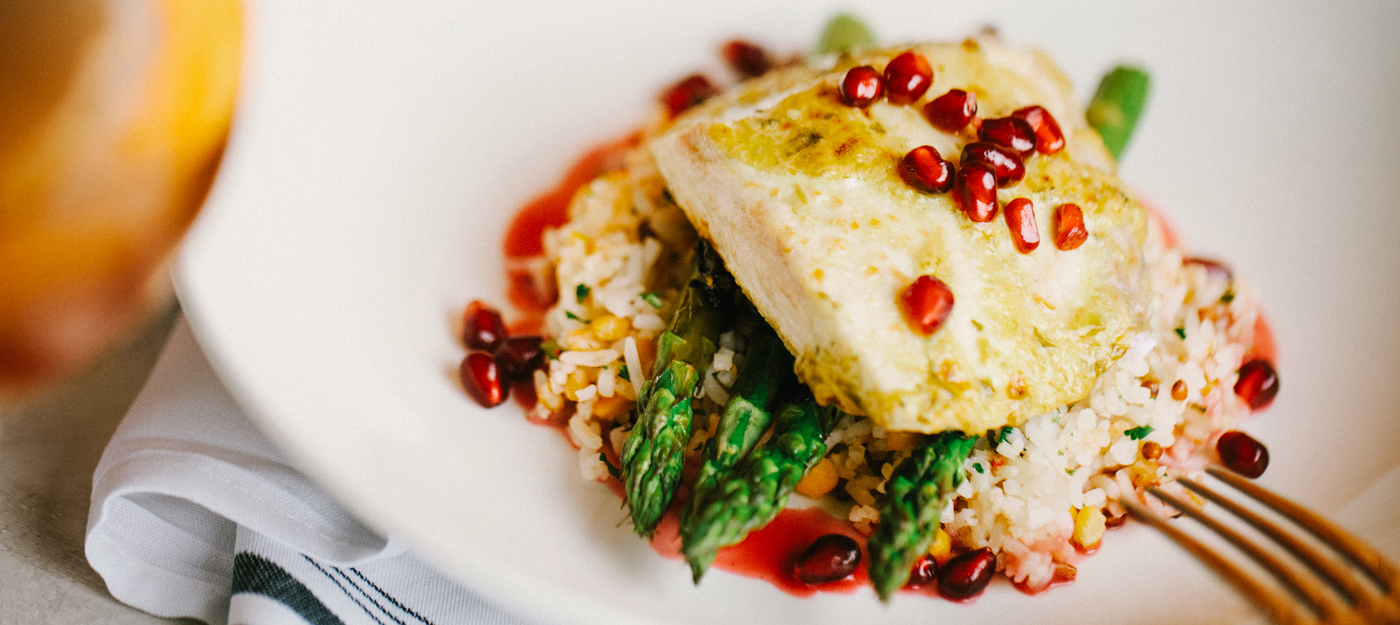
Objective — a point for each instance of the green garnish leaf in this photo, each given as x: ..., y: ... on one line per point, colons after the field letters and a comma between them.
x: 615, y: 472
x: 653, y: 299
x: 622, y: 373
x: 1228, y: 297
x: 1139, y: 433
x: 1117, y: 105
x: 581, y: 292
x: 1181, y: 332
x: 978, y: 468
x: 844, y: 33
x: 1002, y: 434
x: 576, y: 317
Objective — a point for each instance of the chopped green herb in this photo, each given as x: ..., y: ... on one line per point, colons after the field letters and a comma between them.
x: 844, y: 33
x: 1069, y: 471
x: 978, y: 467
x: 622, y: 373
x: 615, y: 472
x: 576, y: 317
x: 1181, y: 332
x: 1139, y: 433
x: 581, y: 292
x: 1228, y: 297
x: 1002, y: 434
x: 551, y: 349
x: 653, y: 299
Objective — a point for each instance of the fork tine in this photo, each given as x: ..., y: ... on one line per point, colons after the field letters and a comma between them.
x: 1279, y: 606
x: 1327, y: 605
x: 1377, y: 566
x: 1330, y: 570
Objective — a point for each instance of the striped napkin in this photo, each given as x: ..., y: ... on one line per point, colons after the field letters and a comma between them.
x: 195, y: 515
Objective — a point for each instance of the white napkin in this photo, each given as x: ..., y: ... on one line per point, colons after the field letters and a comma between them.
x: 195, y: 515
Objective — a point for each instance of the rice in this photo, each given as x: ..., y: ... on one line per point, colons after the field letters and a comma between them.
x: 1037, y: 494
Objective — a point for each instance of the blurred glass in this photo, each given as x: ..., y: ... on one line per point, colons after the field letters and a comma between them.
x: 113, y: 119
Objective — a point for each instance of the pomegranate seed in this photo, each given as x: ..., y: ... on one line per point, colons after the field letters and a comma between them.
x: 907, y: 77
x: 1012, y: 132
x: 483, y: 328
x: 1048, y: 138
x: 926, y: 304
x: 1069, y: 227
x: 924, y: 169
x: 482, y: 378
x: 1151, y: 450
x: 831, y: 558
x: 1179, y: 390
x: 746, y: 58
x: 1009, y: 166
x: 1020, y: 218
x: 519, y: 356
x: 923, y: 573
x: 967, y: 574
x: 1239, y: 452
x: 861, y: 86
x: 1214, y: 268
x: 1258, y: 384
x: 975, y: 190
x: 952, y: 111
x: 690, y: 91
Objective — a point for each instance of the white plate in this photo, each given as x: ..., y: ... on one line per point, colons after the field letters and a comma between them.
x: 382, y: 146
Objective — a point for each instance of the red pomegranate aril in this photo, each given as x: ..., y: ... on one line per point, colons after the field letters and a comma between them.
x: 1012, y: 132
x: 1258, y: 384
x: 861, y: 86
x: 831, y: 558
x: 1020, y: 219
x: 1239, y: 452
x: 924, y: 572
x: 952, y: 111
x: 482, y: 378
x: 907, y: 77
x: 519, y: 356
x: 925, y: 169
x: 483, y: 328
x: 975, y: 190
x: 1069, y: 227
x: 1214, y: 268
x: 690, y: 91
x: 926, y: 304
x: 1010, y: 167
x: 746, y: 58
x: 1048, y: 138
x: 967, y: 574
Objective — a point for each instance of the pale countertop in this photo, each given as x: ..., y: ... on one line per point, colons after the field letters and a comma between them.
x: 49, y: 447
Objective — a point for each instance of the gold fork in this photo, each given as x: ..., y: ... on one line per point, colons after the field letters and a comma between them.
x: 1358, y: 584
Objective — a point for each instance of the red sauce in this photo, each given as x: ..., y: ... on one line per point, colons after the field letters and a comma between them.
x: 769, y: 553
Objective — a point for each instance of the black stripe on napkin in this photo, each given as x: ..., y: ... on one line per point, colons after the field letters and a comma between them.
x: 257, y: 575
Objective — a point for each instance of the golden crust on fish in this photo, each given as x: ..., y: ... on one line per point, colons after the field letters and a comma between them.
x: 801, y: 196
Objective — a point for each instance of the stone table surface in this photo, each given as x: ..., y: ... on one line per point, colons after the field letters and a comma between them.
x: 49, y: 448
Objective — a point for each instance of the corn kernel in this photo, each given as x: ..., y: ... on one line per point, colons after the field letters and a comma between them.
x: 1089, y: 524
x: 902, y: 441
x: 577, y: 381
x: 610, y: 328
x: 942, y: 546
x: 609, y: 408
x: 819, y: 480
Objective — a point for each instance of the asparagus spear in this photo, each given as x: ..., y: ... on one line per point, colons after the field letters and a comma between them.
x: 749, y: 496
x: 844, y: 33
x: 1116, y: 106
x: 918, y: 490
x: 652, y: 456
x: 747, y: 415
